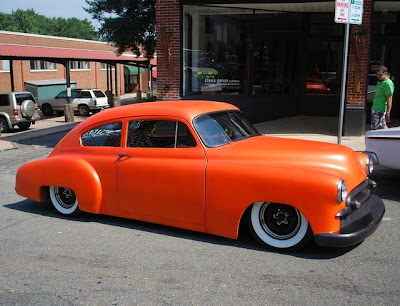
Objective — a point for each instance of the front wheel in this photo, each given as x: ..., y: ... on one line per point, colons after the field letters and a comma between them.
x: 64, y: 200
x: 279, y: 226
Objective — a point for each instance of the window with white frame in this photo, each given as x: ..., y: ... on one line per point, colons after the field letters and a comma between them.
x: 5, y: 65
x: 42, y: 65
x: 79, y: 65
x: 103, y: 66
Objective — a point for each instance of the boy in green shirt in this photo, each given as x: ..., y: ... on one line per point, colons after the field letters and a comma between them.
x: 382, y: 103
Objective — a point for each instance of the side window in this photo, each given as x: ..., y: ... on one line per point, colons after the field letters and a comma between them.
x: 4, y: 101
x: 62, y: 95
x: 85, y: 94
x: 74, y: 94
x: 108, y: 135
x: 159, y: 134
x: 185, y: 138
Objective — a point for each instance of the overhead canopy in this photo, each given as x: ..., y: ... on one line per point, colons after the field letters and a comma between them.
x: 133, y: 70
x: 8, y: 51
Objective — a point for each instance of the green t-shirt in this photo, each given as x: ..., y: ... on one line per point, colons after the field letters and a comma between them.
x: 383, y: 89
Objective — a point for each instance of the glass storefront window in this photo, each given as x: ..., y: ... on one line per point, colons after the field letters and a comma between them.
x: 228, y: 51
x: 324, y: 62
x: 324, y: 55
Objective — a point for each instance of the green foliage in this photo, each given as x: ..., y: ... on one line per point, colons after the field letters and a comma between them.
x: 28, y: 21
x: 127, y: 24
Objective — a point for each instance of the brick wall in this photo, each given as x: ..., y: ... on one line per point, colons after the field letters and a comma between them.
x: 168, y: 49
x: 93, y: 78
x: 359, y: 48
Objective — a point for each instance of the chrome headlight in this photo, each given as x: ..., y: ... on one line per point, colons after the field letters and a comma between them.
x: 341, y: 191
x: 370, y: 165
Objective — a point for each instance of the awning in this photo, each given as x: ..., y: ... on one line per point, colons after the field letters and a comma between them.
x: 132, y: 70
x: 9, y: 51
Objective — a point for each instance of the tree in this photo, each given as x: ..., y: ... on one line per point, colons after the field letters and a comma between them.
x: 28, y: 21
x: 128, y: 24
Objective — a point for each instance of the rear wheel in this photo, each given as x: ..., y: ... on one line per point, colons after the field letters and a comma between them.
x: 83, y: 110
x: 4, y: 125
x: 47, y: 110
x: 64, y: 200
x: 279, y: 226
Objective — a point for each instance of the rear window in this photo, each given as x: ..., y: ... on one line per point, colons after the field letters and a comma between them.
x: 99, y: 94
x: 23, y: 96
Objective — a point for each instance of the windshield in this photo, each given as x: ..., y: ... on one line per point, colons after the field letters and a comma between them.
x: 221, y: 128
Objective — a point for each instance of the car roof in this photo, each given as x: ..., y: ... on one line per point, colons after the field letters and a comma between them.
x: 185, y: 109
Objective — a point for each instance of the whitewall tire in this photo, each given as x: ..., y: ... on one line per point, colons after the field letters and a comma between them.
x: 64, y: 200
x: 279, y: 226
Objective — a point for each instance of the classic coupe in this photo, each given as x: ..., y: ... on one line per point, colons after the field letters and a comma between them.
x: 201, y: 166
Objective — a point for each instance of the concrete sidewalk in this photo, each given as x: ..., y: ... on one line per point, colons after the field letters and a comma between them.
x: 310, y: 128
x: 300, y: 127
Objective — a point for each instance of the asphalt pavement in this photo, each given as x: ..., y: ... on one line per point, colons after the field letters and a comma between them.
x: 49, y: 259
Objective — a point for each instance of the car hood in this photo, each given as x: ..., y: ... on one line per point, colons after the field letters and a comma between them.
x: 283, y: 152
x: 392, y: 133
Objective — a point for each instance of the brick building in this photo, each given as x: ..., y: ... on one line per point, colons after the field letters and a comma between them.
x: 86, y: 73
x: 276, y: 59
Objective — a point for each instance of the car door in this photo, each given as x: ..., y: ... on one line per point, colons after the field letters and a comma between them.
x: 76, y: 96
x: 59, y: 101
x: 161, y: 173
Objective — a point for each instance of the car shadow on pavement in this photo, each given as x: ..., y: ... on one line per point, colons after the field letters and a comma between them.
x: 245, y: 239
x: 388, y: 182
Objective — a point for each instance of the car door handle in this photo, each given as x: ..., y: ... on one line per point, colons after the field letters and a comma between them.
x: 124, y: 155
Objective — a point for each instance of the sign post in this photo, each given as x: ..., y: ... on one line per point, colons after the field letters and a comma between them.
x: 347, y: 12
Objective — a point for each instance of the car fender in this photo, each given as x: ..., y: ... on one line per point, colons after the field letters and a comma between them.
x: 64, y: 171
x: 7, y: 117
x: 232, y: 188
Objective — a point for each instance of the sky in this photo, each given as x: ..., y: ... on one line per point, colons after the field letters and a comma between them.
x: 49, y: 8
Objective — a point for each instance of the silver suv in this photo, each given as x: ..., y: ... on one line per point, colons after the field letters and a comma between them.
x: 17, y: 108
x: 83, y: 100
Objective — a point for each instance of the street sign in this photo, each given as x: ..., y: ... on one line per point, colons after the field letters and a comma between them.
x: 342, y: 11
x: 349, y: 11
x: 356, y: 11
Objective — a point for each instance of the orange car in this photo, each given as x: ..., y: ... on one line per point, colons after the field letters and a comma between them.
x: 201, y: 166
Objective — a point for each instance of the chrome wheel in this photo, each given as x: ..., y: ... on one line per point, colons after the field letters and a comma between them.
x: 279, y: 221
x: 64, y: 200
x: 279, y: 226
